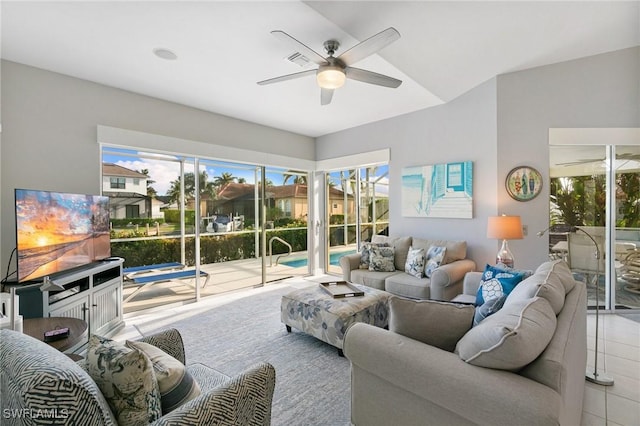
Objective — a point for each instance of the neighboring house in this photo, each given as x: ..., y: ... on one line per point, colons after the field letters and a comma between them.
x: 127, y: 192
x: 292, y: 200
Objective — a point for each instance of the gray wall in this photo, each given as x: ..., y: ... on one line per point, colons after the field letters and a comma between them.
x: 598, y: 91
x: 461, y: 130
x: 49, y: 134
x: 499, y: 125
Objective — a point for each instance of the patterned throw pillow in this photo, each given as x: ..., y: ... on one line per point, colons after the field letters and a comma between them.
x: 382, y: 259
x: 489, y: 307
x: 365, y: 254
x: 496, y: 282
x: 126, y: 379
x: 176, y: 385
x: 415, y: 262
x: 434, y: 259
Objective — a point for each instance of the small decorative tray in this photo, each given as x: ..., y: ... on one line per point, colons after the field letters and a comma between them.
x: 340, y: 289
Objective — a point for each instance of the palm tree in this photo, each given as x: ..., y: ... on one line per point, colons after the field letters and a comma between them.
x: 297, y: 177
x: 151, y: 192
x: 223, y: 179
x: 206, y: 188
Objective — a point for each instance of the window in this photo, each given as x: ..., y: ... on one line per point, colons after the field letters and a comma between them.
x: 118, y: 182
x: 132, y: 211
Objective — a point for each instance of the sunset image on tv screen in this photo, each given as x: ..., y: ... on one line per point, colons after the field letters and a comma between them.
x: 58, y: 231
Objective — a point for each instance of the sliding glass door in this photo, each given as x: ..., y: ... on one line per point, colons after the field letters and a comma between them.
x: 357, y: 208
x: 596, y: 188
x: 241, y: 225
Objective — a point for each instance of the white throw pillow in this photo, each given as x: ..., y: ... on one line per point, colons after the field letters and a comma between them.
x: 512, y: 337
x: 415, y: 262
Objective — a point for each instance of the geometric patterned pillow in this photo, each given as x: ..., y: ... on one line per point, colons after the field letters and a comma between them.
x: 126, y: 379
x: 365, y: 254
x: 435, y: 255
x: 415, y: 262
x: 176, y: 385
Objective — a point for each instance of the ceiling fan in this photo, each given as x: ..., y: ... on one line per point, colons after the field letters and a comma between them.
x: 628, y: 156
x: 332, y: 71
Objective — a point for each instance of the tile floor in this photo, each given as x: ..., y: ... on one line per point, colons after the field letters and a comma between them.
x: 618, y: 357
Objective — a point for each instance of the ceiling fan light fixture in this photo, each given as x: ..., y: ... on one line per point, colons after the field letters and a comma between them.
x: 331, y: 77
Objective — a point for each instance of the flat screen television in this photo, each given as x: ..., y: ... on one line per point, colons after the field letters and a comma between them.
x: 58, y: 231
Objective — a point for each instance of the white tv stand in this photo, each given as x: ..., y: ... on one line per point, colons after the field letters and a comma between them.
x: 92, y: 293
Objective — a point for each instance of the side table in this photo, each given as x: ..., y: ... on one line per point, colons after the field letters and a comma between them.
x: 36, y: 327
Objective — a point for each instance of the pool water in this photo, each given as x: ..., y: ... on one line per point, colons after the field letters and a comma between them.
x: 334, y: 259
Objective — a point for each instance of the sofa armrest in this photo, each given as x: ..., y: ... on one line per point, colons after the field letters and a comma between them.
x: 449, y: 275
x: 348, y: 263
x: 441, y: 380
x: 471, y: 283
x: 244, y: 400
x: 170, y: 341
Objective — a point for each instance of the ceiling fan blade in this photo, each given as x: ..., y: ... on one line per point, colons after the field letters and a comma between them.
x: 372, y: 77
x: 325, y: 96
x: 300, y: 47
x: 370, y: 46
x: 287, y: 77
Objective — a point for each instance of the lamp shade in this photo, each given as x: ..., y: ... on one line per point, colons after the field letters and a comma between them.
x: 504, y: 227
x: 330, y: 77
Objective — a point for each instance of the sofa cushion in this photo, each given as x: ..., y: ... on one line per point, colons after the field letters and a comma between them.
x: 175, y: 383
x: 126, y: 379
x: 401, y: 246
x: 495, y: 282
x: 435, y: 256
x: 372, y: 278
x: 365, y: 254
x: 439, y: 324
x: 408, y: 286
x: 543, y: 284
x: 382, y: 259
x: 456, y: 250
x: 561, y: 269
x: 511, y: 338
x: 415, y: 262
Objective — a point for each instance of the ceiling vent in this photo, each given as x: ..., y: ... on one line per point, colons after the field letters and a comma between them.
x: 299, y: 59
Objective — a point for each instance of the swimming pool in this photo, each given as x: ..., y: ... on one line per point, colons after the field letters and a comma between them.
x: 334, y: 259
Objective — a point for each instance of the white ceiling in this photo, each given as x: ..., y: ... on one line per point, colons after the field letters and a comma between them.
x: 225, y: 47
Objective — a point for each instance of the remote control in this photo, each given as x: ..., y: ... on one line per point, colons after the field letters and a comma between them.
x: 57, y: 334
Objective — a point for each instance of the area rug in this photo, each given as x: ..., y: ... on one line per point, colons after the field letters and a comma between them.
x: 312, y: 380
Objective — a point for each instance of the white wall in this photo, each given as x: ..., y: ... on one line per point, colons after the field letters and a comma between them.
x: 499, y: 125
x: 50, y: 134
x: 461, y: 130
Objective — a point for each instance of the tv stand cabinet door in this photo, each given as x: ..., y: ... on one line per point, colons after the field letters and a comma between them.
x: 106, y: 308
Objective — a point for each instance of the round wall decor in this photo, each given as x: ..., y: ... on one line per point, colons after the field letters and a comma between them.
x: 523, y: 183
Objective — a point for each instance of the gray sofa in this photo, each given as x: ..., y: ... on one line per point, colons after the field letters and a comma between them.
x: 399, y: 380
x: 39, y: 382
x: 444, y: 284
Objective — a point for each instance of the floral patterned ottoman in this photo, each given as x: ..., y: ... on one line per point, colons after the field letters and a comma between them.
x: 315, y: 312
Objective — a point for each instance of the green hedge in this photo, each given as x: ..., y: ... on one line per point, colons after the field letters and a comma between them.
x: 120, y: 223
x: 173, y: 216
x: 213, y: 249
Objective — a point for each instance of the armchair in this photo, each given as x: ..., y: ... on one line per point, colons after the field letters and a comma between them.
x: 40, y: 381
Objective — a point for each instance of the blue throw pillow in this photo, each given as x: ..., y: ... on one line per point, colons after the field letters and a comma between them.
x: 496, y: 282
x: 489, y: 307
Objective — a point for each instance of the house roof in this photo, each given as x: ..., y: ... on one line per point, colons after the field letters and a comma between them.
x: 110, y: 169
x: 235, y: 191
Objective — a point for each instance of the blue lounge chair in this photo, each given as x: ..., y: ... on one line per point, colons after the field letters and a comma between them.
x: 148, y: 280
